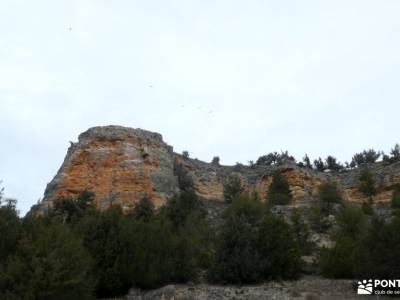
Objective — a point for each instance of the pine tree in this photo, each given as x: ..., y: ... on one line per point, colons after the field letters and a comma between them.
x: 278, y: 191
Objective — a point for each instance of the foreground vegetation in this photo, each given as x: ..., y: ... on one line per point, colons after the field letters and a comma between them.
x: 77, y: 252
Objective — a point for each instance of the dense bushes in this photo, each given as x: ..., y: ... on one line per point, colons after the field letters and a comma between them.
x: 378, y: 255
x: 330, y: 163
x: 339, y: 261
x: 79, y: 252
x: 49, y: 262
x: 254, y: 245
x: 365, y: 247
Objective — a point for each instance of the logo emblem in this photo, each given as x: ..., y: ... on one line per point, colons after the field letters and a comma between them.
x: 365, y: 287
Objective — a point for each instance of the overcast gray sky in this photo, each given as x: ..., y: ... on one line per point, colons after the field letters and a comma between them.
x: 230, y: 78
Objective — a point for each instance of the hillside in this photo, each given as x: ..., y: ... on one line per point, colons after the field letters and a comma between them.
x: 121, y: 165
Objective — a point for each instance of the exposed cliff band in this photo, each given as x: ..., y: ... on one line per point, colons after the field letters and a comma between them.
x: 121, y: 165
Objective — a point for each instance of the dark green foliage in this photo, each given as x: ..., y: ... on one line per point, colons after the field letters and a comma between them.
x: 395, y: 153
x: 278, y: 192
x: 351, y: 221
x: 317, y: 219
x: 319, y: 165
x: 100, y: 235
x: 279, y: 253
x: 275, y: 158
x: 143, y: 210
x: 301, y: 232
x: 307, y: 162
x: 332, y: 164
x: 10, y: 228
x: 339, y: 261
x: 253, y: 245
x: 180, y: 208
x: 368, y: 188
x: 367, y: 183
x: 365, y: 157
x: 185, y: 182
x: 50, y: 263
x: 396, y: 197
x: 328, y: 195
x: 155, y: 254
x: 363, y: 249
x: 232, y: 188
x: 237, y: 258
x: 71, y: 209
x: 215, y: 161
x: 378, y: 255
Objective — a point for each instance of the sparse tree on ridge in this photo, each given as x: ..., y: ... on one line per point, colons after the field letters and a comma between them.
x: 233, y: 188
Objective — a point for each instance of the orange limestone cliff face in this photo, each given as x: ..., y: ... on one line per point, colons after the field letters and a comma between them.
x: 121, y: 165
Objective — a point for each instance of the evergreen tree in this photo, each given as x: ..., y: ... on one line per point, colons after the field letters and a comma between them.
x: 10, y: 228
x: 378, y: 255
x: 233, y: 188
x: 253, y: 245
x: 396, y: 197
x: 307, y: 162
x: 339, y: 261
x: 332, y: 164
x: 279, y: 253
x: 368, y: 188
x: 301, y: 232
x: 143, y: 210
x: 278, y: 192
x: 50, y: 263
x: 319, y: 165
x: 328, y: 195
x: 395, y: 153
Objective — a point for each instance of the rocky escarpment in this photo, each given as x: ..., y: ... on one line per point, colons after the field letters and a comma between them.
x: 121, y: 165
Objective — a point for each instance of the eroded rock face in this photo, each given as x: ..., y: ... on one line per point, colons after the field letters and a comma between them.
x: 121, y: 165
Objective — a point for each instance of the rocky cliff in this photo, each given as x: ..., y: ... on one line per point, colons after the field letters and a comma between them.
x: 121, y: 165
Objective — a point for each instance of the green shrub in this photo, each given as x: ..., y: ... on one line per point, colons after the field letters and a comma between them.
x: 253, y: 245
x: 396, y: 197
x: 143, y: 210
x: 278, y: 251
x: 278, y: 192
x: 232, y: 188
x: 328, y: 195
x: 50, y: 263
x: 301, y: 232
x: 351, y: 222
x: 367, y: 186
x: 338, y: 262
x: 10, y: 230
x: 378, y: 255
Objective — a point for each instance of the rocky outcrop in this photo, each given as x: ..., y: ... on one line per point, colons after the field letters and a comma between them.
x: 121, y: 165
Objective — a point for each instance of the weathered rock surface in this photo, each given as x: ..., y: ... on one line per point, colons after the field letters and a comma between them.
x: 121, y: 165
